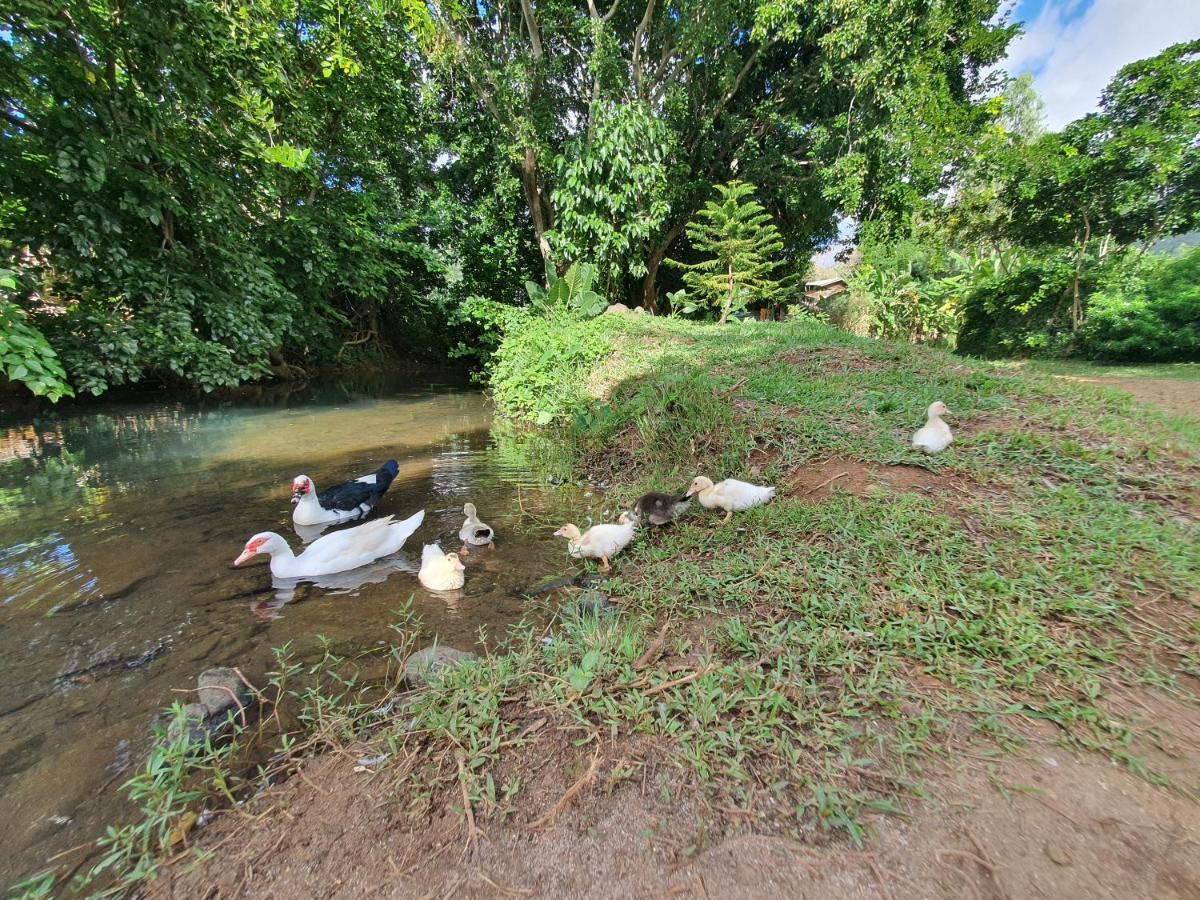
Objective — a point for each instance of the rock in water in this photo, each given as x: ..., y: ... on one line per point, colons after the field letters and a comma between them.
x: 589, y: 603
x: 194, y: 721
x: 431, y: 660
x: 222, y: 692
x: 222, y: 689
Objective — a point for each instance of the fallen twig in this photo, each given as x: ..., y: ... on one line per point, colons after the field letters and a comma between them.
x: 506, y: 891
x: 991, y: 865
x: 732, y: 388
x: 653, y: 650
x: 826, y: 482
x: 666, y: 685
x: 566, y: 798
x: 472, y: 829
x: 878, y: 873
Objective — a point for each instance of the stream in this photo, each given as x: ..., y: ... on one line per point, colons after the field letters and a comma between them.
x: 118, y: 528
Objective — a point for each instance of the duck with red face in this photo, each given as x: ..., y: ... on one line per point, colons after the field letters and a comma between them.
x: 337, y: 552
x: 343, y: 502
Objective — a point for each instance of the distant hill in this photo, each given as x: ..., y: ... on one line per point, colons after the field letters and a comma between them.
x: 1177, y: 243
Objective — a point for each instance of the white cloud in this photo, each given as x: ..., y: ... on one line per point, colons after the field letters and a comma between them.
x: 1073, y: 56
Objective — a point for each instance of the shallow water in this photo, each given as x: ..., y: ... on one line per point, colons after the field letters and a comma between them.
x: 118, y: 527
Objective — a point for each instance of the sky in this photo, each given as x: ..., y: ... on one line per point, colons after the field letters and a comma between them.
x: 1073, y: 47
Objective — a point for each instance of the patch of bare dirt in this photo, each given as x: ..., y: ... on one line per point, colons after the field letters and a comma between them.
x: 832, y: 360
x: 1174, y: 395
x: 819, y: 481
x: 615, y: 820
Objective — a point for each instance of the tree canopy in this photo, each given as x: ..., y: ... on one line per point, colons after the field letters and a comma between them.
x: 202, y: 193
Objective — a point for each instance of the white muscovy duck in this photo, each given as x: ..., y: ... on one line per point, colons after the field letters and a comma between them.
x: 475, y: 533
x: 337, y: 552
x: 730, y: 495
x: 441, y: 571
x: 343, y: 502
x: 600, y: 541
x: 935, y: 435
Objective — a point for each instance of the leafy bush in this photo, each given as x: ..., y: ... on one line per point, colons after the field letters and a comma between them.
x: 572, y: 291
x: 538, y: 371
x: 25, y: 355
x: 1023, y: 312
x: 1151, y: 318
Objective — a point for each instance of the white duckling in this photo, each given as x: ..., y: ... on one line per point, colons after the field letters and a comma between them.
x: 441, y: 571
x: 474, y: 532
x: 730, y: 495
x: 600, y: 541
x: 337, y: 552
x: 935, y: 436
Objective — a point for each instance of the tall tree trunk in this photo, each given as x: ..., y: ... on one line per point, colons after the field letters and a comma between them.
x: 1077, y: 300
x: 657, y: 254
x: 535, y: 201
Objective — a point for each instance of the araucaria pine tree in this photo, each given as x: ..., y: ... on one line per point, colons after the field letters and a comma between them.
x: 742, y: 240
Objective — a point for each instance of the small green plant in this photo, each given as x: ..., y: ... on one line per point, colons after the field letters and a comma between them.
x: 179, y: 772
x: 571, y: 291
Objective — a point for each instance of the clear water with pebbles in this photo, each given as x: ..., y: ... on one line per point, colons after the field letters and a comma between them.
x: 118, y: 527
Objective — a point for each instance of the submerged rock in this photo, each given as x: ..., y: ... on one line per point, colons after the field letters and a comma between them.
x: 589, y: 603
x: 221, y: 688
x: 194, y: 722
x: 430, y: 660
x: 222, y: 692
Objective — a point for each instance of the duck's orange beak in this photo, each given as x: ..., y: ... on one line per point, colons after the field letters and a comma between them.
x: 248, y: 553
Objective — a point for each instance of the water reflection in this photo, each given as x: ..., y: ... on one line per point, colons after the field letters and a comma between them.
x: 117, y: 528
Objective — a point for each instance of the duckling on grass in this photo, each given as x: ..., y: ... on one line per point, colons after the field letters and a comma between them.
x: 730, y: 495
x: 659, y: 509
x: 600, y: 541
x: 935, y: 436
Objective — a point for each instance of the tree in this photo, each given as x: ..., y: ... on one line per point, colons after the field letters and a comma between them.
x: 743, y: 243
x: 1148, y: 145
x: 835, y: 108
x: 196, y: 191
x: 1024, y: 112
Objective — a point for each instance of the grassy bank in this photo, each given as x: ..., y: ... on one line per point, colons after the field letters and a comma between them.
x: 798, y: 670
x: 996, y: 583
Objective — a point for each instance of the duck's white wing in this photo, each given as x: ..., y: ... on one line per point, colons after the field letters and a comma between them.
x: 346, y: 549
x: 743, y: 495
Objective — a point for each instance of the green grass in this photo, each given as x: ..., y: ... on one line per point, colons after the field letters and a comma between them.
x: 1084, y: 369
x: 831, y: 622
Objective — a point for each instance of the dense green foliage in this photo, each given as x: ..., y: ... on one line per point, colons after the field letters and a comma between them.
x: 617, y: 119
x: 1062, y: 220
x: 1154, y: 316
x: 25, y: 356
x: 203, y: 194
x: 196, y: 190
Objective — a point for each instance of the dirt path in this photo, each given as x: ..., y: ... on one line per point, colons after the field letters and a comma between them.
x: 1044, y: 823
x: 1174, y: 395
